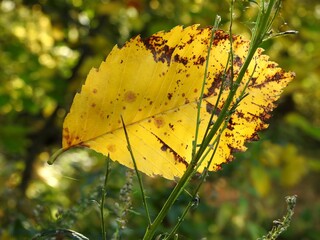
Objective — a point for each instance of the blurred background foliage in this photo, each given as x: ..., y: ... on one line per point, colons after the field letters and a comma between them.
x: 48, y: 47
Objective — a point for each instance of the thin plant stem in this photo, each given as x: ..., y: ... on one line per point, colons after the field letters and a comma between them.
x: 223, y: 79
x: 169, y: 202
x: 229, y: 62
x: 180, y: 220
x: 144, y: 200
x: 215, y: 27
x: 231, y: 45
x: 282, y: 225
x: 103, y: 196
x: 195, y: 198
x: 52, y: 234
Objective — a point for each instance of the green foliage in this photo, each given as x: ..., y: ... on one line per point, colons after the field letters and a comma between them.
x: 48, y: 47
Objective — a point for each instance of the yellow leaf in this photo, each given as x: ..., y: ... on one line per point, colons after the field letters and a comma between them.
x: 154, y: 84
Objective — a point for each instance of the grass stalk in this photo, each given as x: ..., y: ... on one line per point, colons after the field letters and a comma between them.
x: 195, y: 142
x: 144, y: 200
x: 103, y: 196
x: 195, y: 198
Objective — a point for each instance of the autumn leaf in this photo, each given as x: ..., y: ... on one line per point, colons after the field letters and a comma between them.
x: 155, y: 84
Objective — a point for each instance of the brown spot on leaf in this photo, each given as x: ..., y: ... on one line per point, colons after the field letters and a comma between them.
x: 200, y: 60
x: 252, y: 81
x: 216, y: 83
x: 231, y: 124
x: 169, y: 96
x: 240, y: 114
x: 159, y: 122
x: 209, y: 108
x: 254, y: 137
x: 179, y: 59
x: 166, y: 147
x: 130, y: 97
x: 93, y: 105
x: 237, y: 61
x: 111, y: 147
x: 233, y: 149
x: 219, y: 36
x: 277, y: 77
x: 158, y: 47
x: 218, y: 167
x: 271, y: 65
x: 66, y: 135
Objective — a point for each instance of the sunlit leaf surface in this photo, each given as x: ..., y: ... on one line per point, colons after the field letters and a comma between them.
x: 154, y: 84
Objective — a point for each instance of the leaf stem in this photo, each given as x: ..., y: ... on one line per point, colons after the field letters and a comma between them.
x: 55, y: 156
